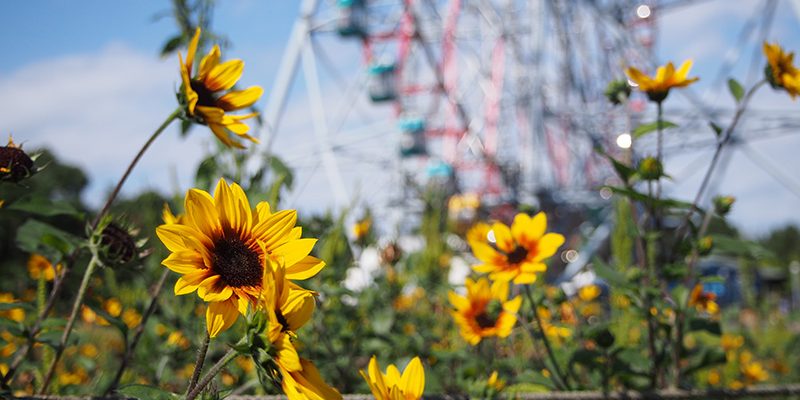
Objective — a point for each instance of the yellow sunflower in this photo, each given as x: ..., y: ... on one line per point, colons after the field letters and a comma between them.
x: 666, y: 78
x: 485, y: 311
x: 515, y: 253
x: 781, y: 71
x: 395, y: 386
x: 221, y: 247
x: 201, y: 94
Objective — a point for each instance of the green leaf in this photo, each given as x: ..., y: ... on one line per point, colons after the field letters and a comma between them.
x: 736, y: 89
x: 144, y: 392
x: 37, y: 237
x: 171, y: 45
x: 15, y: 305
x: 717, y: 129
x: 707, y: 357
x: 702, y: 324
x: 663, y: 202
x: 644, y: 129
x: 625, y: 172
x: 45, y: 207
x: 589, y: 358
x: 51, y: 338
x: 613, y: 277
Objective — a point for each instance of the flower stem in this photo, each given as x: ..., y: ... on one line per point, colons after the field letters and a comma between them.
x: 133, y: 163
x: 551, y: 355
x: 228, y: 357
x: 76, y: 306
x: 198, y: 365
x: 126, y: 358
x: 726, y: 138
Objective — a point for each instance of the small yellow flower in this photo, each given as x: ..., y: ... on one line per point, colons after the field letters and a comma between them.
x: 516, y: 253
x: 781, y: 70
x: 753, y: 372
x: 703, y: 301
x: 666, y: 78
x: 361, y: 228
x: 588, y: 292
x: 495, y: 382
x: 89, y: 350
x: 14, y: 314
x: 38, y: 267
x: 177, y: 339
x: 113, y: 307
x: 731, y: 342
x: 392, y: 385
x: 485, y: 311
x: 714, y: 377
x: 200, y: 94
x: 131, y: 318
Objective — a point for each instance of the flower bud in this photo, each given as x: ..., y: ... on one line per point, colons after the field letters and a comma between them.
x: 618, y: 91
x: 723, y: 204
x: 650, y: 169
x: 705, y: 245
x: 117, y: 245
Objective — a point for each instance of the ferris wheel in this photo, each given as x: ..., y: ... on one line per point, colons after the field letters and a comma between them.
x: 500, y: 98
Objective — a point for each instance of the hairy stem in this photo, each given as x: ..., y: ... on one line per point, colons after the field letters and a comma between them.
x: 198, y: 365
x: 228, y: 357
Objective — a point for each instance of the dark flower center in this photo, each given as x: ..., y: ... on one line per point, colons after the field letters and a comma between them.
x: 237, y: 264
x: 488, y: 318
x: 205, y: 97
x: 18, y: 163
x: 518, y: 255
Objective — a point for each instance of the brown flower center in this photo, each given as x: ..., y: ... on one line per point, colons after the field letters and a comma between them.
x: 518, y: 255
x: 120, y: 248
x: 236, y: 263
x: 488, y: 318
x: 205, y: 97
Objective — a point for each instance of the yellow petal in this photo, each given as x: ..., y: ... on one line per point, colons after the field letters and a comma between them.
x: 305, y: 268
x: 683, y: 71
x: 233, y: 208
x: 220, y: 316
x: 192, y: 50
x: 308, y: 384
x: 238, y: 99
x: 376, y: 376
x: 392, y: 376
x: 201, y: 213
x: 298, y: 308
x: 524, y: 278
x: 527, y: 230
x: 499, y: 290
x: 184, y: 262
x: 294, y: 251
x: 503, y: 238
x: 413, y: 380
x: 639, y: 78
x: 487, y: 254
x: 548, y: 245
x: 287, y: 355
x: 223, y: 76
x: 512, y: 306
x: 208, y: 62
x: 188, y: 283
x: 273, y: 231
x: 212, y: 289
x: 459, y: 302
x: 222, y: 134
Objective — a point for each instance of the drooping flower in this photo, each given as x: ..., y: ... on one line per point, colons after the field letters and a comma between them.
x: 666, y: 78
x: 202, y: 95
x: 485, y: 311
x: 221, y: 248
x: 289, y: 307
x: 703, y: 301
x: 515, y: 253
x: 780, y: 70
x: 395, y: 386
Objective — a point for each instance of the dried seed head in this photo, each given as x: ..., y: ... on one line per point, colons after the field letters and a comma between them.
x: 118, y: 246
x: 15, y: 165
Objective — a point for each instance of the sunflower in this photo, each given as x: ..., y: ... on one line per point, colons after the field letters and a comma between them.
x: 780, y: 71
x: 204, y: 104
x: 485, y: 311
x: 514, y: 253
x: 221, y: 247
x: 395, y: 386
x: 288, y: 308
x: 666, y: 78
x: 703, y: 301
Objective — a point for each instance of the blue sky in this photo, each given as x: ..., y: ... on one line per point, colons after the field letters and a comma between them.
x: 84, y: 78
